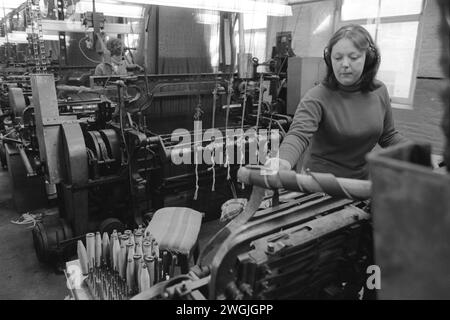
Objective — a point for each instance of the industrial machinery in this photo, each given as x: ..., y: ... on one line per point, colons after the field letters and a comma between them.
x: 102, y: 159
x: 297, y: 245
x: 104, y: 156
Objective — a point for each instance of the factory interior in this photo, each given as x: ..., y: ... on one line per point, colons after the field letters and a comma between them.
x: 137, y: 139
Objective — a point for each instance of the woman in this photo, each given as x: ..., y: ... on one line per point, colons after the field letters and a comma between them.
x: 114, y: 62
x: 344, y: 117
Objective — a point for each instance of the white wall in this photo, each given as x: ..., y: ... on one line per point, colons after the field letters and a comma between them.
x: 431, y: 43
x: 311, y: 25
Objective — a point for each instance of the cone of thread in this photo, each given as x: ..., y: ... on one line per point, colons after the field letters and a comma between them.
x: 116, y: 254
x: 138, y: 249
x: 150, y: 262
x: 111, y: 244
x: 155, y: 250
x: 98, y: 249
x: 130, y: 250
x: 144, y: 279
x: 138, y: 237
x: 146, y: 248
x: 138, y: 261
x: 90, y: 249
x: 105, y: 247
x: 130, y: 274
x: 83, y: 257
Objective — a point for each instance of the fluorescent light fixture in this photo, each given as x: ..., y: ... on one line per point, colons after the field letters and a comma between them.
x: 21, y: 37
x: 273, y: 8
x: 111, y: 9
x: 4, y: 12
x: 51, y: 26
x: 12, y: 4
x: 17, y: 37
x: 51, y: 37
x: 211, y: 17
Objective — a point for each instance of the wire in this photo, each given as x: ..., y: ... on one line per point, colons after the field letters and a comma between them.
x: 84, y: 55
x: 242, y: 144
x: 213, y: 152
x: 28, y: 218
x: 196, y: 180
x: 196, y: 146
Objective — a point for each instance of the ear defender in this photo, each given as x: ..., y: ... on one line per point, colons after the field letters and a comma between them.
x: 372, y: 55
x: 327, y: 57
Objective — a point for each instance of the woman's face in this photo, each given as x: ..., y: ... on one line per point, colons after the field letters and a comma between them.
x: 347, y: 61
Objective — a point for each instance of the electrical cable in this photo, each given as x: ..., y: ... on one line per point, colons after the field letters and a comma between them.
x: 213, y: 152
x: 84, y: 55
x: 242, y: 144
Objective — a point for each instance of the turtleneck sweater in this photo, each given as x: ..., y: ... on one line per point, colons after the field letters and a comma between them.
x: 340, y: 127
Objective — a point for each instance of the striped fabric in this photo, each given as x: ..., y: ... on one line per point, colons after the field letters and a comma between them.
x: 175, y: 228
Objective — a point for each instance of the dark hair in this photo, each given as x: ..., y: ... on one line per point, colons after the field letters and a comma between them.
x: 114, y: 46
x: 362, y: 40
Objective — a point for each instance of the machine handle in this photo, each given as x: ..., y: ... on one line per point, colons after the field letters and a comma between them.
x: 26, y: 161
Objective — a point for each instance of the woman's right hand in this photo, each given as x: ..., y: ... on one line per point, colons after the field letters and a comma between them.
x: 273, y: 165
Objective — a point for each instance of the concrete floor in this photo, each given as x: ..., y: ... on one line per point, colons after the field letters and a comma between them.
x: 22, y: 276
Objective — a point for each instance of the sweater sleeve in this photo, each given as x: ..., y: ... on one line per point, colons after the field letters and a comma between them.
x: 305, y: 123
x: 390, y: 136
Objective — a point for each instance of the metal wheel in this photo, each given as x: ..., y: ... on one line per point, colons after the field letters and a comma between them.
x: 47, y: 235
x: 110, y: 224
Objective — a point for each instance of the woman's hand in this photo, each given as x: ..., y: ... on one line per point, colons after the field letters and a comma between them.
x: 273, y: 165
x: 134, y: 67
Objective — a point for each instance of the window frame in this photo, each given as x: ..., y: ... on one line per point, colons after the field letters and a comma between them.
x: 405, y: 103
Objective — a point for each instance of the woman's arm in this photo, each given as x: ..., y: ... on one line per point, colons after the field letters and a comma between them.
x: 305, y: 123
x: 390, y: 135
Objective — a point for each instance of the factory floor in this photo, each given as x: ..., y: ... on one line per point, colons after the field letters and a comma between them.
x: 22, y: 276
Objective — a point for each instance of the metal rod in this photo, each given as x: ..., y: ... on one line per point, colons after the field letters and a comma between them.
x: 26, y: 161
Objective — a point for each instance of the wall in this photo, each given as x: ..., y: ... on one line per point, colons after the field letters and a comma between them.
x: 432, y: 44
x: 423, y: 122
x: 311, y: 26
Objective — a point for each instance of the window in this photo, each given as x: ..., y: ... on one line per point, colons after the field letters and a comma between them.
x: 394, y: 25
x: 255, y: 35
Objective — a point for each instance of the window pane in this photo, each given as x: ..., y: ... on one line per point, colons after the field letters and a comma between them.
x: 255, y: 21
x: 390, y: 8
x: 359, y: 9
x: 365, y: 9
x: 397, y: 43
x: 255, y: 43
x: 372, y: 28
